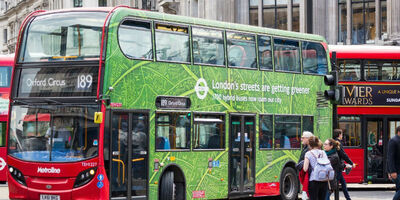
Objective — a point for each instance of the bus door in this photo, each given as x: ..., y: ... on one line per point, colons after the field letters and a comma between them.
x: 242, y: 155
x: 376, y: 142
x: 129, y: 155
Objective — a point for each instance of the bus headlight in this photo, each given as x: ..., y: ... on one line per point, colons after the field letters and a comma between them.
x: 84, y: 177
x: 17, y: 175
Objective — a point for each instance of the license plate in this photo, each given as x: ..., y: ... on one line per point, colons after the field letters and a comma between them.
x: 49, y: 197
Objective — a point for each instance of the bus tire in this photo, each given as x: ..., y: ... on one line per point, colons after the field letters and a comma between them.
x: 167, y: 188
x: 289, y: 185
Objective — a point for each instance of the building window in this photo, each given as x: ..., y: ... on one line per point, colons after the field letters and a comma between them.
x: 102, y: 3
x: 351, y: 126
x: 275, y: 14
x: 296, y: 16
x: 384, y: 17
x: 254, y: 12
x: 77, y: 3
x: 363, y: 24
x: 5, y: 36
x: 342, y: 17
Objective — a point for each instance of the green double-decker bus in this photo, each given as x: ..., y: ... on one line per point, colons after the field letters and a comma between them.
x: 161, y: 106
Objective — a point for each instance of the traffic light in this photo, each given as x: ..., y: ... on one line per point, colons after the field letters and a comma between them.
x: 334, y: 94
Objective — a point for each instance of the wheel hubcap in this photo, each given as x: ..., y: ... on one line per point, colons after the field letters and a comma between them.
x: 288, y: 185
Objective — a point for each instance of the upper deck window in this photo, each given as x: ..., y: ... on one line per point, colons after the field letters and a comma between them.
x: 63, y: 36
x: 241, y: 50
x: 172, y: 43
x: 287, y: 55
x: 134, y: 38
x: 381, y: 70
x: 314, y: 58
x: 265, y: 52
x: 208, y: 46
x: 5, y: 76
x: 350, y: 70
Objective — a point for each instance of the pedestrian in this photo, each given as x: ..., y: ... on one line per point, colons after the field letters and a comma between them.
x: 393, y: 162
x: 304, y: 176
x: 316, y: 189
x: 338, y: 136
x: 331, y: 148
x: 304, y: 140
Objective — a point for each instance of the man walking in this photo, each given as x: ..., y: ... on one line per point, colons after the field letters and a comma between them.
x: 338, y: 135
x: 393, y: 161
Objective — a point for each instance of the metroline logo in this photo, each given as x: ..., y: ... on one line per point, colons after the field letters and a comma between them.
x: 51, y: 170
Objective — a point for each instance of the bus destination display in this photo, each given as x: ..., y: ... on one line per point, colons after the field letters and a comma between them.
x: 51, y: 82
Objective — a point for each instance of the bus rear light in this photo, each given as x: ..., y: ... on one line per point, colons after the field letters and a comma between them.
x: 17, y: 175
x: 84, y: 177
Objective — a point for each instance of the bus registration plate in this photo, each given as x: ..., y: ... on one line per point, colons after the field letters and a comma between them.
x: 49, y: 197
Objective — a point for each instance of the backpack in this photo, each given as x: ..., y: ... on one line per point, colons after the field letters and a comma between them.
x: 323, y: 168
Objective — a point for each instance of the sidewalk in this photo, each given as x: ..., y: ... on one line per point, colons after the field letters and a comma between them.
x: 3, y: 191
x: 376, y: 186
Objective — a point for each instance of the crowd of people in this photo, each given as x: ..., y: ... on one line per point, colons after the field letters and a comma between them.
x: 316, y: 166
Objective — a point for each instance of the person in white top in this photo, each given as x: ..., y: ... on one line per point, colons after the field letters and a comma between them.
x: 316, y: 189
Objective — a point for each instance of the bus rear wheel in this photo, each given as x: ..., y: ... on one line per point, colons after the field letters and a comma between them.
x: 167, y: 187
x: 289, y: 185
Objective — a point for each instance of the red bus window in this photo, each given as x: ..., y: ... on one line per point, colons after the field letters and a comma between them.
x: 349, y: 70
x: 378, y: 70
x: 351, y: 126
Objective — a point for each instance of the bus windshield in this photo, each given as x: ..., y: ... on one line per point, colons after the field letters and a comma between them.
x: 53, y: 133
x: 63, y: 36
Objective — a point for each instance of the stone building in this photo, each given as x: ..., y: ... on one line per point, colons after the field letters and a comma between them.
x: 339, y: 21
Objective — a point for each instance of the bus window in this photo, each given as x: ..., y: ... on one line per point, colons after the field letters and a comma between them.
x: 351, y: 126
x: 172, y: 43
x: 287, y: 131
x: 350, y: 70
x: 314, y: 58
x: 53, y: 133
x: 378, y: 70
x: 173, y: 131
x: 209, y: 131
x: 266, y: 127
x: 308, y: 123
x: 241, y: 50
x: 63, y: 36
x: 264, y: 52
x: 3, y: 126
x: 287, y: 55
x: 139, y: 46
x: 5, y: 76
x: 208, y: 46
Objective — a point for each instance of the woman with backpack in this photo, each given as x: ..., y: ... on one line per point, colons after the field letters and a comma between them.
x: 331, y: 148
x: 318, y: 186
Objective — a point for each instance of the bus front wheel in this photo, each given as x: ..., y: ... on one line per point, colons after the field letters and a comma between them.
x: 289, y: 185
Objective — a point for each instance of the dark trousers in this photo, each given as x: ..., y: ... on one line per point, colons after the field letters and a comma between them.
x: 342, y: 182
x: 317, y: 190
x: 397, y: 182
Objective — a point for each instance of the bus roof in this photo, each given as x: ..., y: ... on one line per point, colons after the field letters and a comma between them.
x: 216, y: 24
x: 365, y: 52
x: 7, y: 60
x: 197, y: 21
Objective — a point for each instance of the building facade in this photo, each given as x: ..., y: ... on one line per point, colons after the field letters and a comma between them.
x: 373, y: 22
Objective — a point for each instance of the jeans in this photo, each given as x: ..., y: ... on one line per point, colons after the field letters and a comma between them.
x: 397, y: 182
x: 342, y: 182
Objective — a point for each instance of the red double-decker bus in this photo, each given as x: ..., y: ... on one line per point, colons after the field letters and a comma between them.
x: 369, y: 111
x: 6, y: 63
